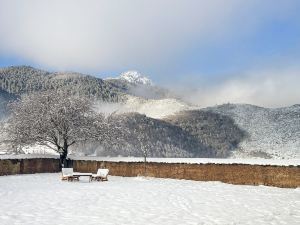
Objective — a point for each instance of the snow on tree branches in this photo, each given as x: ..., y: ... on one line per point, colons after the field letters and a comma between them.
x: 57, y: 120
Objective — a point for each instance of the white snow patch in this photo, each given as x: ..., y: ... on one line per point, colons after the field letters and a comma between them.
x: 135, y: 77
x: 276, y: 162
x: 45, y: 199
x: 29, y: 156
x: 154, y: 108
x: 38, y: 149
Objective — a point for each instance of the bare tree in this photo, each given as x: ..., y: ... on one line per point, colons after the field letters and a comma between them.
x: 57, y: 120
x: 142, y: 137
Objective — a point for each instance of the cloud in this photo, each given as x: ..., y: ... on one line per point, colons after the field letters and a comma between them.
x: 265, y: 87
x: 113, y: 35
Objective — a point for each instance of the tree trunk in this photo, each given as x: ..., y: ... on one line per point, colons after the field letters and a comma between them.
x: 145, y: 163
x: 61, y: 161
x: 63, y: 155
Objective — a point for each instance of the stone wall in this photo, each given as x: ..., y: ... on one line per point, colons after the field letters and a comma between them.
x: 27, y: 166
x: 278, y: 176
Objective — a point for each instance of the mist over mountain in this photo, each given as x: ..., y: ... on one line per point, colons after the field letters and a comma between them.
x: 165, y: 125
x: 136, y: 84
x: 135, y: 77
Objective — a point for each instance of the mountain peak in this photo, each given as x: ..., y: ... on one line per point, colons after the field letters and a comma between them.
x: 135, y: 77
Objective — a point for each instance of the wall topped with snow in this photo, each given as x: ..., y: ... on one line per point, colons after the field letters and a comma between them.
x: 278, y: 176
x: 29, y: 156
x: 274, y: 162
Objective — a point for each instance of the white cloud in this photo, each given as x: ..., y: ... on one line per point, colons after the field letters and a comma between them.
x: 113, y: 34
x: 267, y: 87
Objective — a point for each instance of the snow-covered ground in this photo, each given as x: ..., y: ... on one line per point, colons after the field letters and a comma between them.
x: 45, y: 199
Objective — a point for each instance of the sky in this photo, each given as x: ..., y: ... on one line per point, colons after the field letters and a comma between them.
x: 212, y: 52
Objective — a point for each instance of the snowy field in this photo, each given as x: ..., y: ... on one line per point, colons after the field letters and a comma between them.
x: 45, y: 199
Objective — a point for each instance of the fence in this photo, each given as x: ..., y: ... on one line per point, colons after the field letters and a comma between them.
x: 270, y: 175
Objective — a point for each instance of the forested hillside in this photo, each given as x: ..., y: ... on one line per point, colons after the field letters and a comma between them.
x: 158, y: 138
x: 169, y: 128
x: 23, y: 79
x: 272, y: 132
x: 216, y: 131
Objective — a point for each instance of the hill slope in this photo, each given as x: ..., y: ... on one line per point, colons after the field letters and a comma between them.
x: 216, y: 131
x: 272, y: 133
x: 23, y: 79
x: 230, y: 130
x: 5, y: 98
x: 157, y: 137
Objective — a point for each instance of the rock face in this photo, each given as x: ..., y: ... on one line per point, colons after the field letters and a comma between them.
x: 272, y: 133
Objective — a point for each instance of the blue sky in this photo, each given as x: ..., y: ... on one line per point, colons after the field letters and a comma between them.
x: 193, y: 43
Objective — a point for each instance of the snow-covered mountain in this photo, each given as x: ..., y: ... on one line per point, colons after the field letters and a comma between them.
x: 271, y: 133
x: 135, y: 77
x: 235, y: 130
x: 136, y: 84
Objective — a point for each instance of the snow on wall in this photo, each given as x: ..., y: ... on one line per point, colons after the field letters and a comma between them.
x: 30, y: 156
x: 276, y: 162
x: 268, y: 175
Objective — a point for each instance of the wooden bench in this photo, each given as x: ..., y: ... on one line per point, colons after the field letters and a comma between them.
x: 68, y: 174
x: 101, y: 175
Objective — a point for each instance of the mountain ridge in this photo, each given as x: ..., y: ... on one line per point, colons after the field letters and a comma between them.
x: 228, y: 130
x: 273, y: 132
